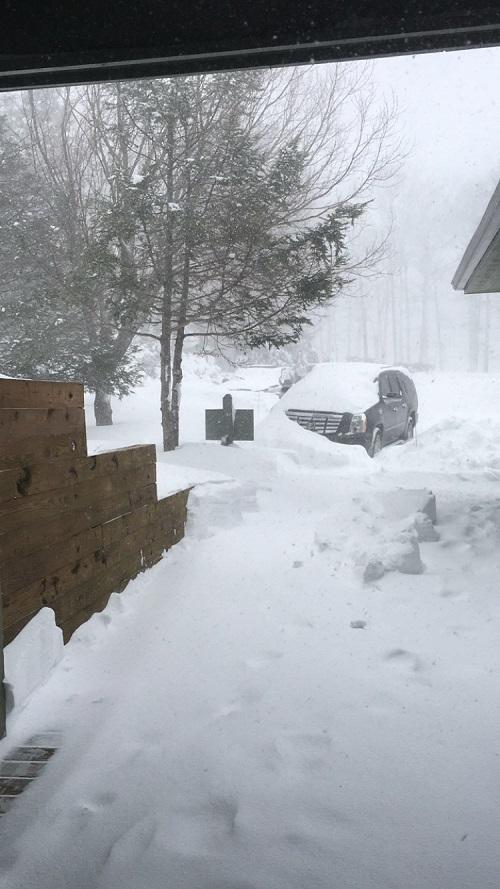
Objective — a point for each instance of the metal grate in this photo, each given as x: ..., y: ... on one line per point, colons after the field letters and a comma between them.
x: 323, y: 422
x: 19, y: 768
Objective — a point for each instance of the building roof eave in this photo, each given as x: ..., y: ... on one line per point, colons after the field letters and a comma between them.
x: 479, y: 269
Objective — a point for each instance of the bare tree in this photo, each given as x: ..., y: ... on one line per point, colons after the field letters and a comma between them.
x: 230, y: 165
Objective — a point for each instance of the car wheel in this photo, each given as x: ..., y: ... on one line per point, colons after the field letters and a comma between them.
x: 410, y: 430
x: 376, y: 445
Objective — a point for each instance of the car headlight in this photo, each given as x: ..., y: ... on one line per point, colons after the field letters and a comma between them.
x: 358, y: 423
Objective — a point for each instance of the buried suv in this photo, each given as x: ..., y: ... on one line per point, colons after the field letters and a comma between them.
x: 355, y: 403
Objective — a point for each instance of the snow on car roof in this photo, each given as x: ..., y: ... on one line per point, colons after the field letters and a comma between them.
x: 337, y: 386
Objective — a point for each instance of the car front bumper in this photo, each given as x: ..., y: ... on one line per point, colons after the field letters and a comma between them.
x: 352, y: 438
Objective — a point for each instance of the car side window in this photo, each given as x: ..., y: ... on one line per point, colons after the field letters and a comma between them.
x: 395, y: 386
x: 404, y: 386
x: 389, y: 386
x: 384, y: 385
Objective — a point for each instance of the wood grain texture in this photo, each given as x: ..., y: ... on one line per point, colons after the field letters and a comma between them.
x: 38, y: 448
x: 39, y: 477
x: 19, y: 424
x: 73, y: 528
x: 40, y: 394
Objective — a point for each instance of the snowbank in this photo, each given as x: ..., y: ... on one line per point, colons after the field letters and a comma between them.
x: 260, y: 710
x: 308, y: 448
x: 32, y: 655
x: 452, y: 445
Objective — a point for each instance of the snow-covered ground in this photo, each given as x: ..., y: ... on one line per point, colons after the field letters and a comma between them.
x: 259, y: 710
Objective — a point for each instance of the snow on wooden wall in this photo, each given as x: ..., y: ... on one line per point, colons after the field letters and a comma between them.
x: 73, y: 528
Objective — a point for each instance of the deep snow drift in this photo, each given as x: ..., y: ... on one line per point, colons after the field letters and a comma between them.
x: 259, y: 711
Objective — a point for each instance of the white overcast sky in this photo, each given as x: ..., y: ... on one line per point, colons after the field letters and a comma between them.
x: 449, y: 108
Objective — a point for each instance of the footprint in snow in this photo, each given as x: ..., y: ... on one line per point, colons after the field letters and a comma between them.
x: 228, y: 710
x: 132, y: 844
x: 309, y: 751
x: 105, y: 799
x: 262, y: 661
x: 245, y: 697
x: 406, y: 658
x: 224, y: 809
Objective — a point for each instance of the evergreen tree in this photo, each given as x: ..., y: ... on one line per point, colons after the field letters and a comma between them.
x: 59, y: 301
x: 216, y: 206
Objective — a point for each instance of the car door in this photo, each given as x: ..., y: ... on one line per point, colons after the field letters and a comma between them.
x: 405, y: 410
x: 393, y: 407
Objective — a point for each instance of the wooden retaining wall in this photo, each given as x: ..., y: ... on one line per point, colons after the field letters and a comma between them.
x: 73, y: 528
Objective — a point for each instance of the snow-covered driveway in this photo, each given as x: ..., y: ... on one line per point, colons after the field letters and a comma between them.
x: 225, y: 727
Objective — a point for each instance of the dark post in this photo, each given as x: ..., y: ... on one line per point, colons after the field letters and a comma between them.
x: 227, y: 420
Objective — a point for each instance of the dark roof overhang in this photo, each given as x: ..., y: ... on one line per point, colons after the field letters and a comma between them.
x: 70, y: 41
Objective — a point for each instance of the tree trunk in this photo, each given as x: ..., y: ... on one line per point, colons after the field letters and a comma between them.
x: 166, y: 393
x: 167, y: 418
x: 102, y: 408
x: 182, y: 315
x: 176, y: 385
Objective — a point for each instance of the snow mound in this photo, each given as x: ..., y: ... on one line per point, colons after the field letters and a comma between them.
x: 309, y: 448
x: 452, y: 445
x: 32, y: 655
x: 346, y: 387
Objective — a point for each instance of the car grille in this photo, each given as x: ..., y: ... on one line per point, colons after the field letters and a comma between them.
x: 324, y: 422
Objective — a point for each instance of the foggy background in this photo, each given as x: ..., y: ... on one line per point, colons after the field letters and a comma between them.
x: 449, y: 115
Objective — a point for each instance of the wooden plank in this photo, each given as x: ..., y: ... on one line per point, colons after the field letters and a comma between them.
x: 121, y: 526
x: 8, y: 481
x: 43, y: 591
x: 38, y: 448
x: 17, y: 573
x: 73, y: 610
x: 72, y: 587
x: 83, y: 568
x: 82, y: 493
x: 29, y: 538
x: 80, y: 572
x: 128, y: 544
x: 20, y: 570
x: 174, y: 507
x: 81, y: 617
x: 11, y: 632
x: 24, y: 513
x: 37, y: 478
x: 94, y: 513
x: 18, y: 424
x: 40, y: 393
x: 113, y: 577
